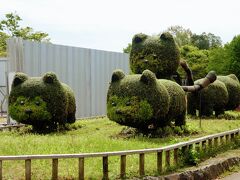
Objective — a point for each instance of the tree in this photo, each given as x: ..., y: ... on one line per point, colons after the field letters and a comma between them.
x: 206, y: 41
x: 9, y: 27
x: 181, y: 36
x: 196, y: 59
x: 219, y: 60
x: 128, y: 48
x: 234, y: 52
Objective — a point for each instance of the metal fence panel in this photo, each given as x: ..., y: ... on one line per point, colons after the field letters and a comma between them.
x: 3, y: 88
x: 86, y: 71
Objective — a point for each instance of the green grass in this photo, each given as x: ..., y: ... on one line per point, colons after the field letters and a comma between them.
x: 96, y: 135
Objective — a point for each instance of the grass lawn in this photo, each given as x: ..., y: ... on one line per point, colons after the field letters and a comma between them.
x: 96, y: 135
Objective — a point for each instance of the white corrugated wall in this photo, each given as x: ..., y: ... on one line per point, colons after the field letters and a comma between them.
x: 3, y: 89
x: 86, y: 71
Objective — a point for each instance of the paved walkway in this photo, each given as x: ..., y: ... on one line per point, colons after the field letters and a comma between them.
x: 235, y: 176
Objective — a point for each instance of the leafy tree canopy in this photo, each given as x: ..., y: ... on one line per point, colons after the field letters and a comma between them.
x: 181, y: 35
x: 10, y: 27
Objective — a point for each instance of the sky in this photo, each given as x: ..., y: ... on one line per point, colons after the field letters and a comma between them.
x: 110, y: 24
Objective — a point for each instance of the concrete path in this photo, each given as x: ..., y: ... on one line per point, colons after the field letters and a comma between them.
x: 235, y: 176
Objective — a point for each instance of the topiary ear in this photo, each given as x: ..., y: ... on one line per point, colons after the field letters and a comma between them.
x: 117, y: 75
x: 148, y: 77
x: 139, y: 38
x: 50, y: 78
x: 19, y: 78
x: 166, y: 36
x: 234, y: 77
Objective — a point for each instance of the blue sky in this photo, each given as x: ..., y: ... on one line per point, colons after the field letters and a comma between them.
x: 111, y: 24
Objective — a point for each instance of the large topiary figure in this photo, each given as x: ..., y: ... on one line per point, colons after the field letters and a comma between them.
x: 42, y: 102
x: 143, y: 100
x: 159, y: 54
x: 223, y: 94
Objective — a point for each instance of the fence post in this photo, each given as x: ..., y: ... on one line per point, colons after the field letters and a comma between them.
x: 54, y: 169
x: 209, y: 143
x: 81, y: 169
x: 232, y: 136
x: 227, y: 138
x: 216, y: 141
x: 176, y: 156
x: 28, y: 169
x: 167, y: 158
x: 203, y: 145
x: 221, y: 140
x: 141, y: 164
x: 105, y: 167
x: 123, y: 166
x: 197, y: 147
x: 159, y: 162
x: 0, y: 169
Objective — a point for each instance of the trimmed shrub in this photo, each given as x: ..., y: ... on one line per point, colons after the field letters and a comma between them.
x: 42, y: 102
x: 233, y: 87
x: 212, y: 98
x: 223, y: 94
x: 159, y: 54
x: 141, y: 101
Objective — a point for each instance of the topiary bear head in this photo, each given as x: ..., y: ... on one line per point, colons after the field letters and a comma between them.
x: 136, y: 100
x: 38, y: 101
x: 159, y: 54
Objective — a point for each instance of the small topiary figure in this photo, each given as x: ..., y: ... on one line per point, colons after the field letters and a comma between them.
x: 223, y: 94
x: 42, y: 102
x: 233, y: 87
x: 212, y: 98
x: 159, y: 54
x: 142, y: 100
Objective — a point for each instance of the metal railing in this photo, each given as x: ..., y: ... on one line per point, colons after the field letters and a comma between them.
x: 217, y: 139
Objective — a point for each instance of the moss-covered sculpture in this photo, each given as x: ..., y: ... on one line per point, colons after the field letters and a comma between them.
x: 212, y: 98
x: 42, y: 102
x: 159, y: 54
x: 142, y: 100
x: 223, y: 94
x: 233, y: 87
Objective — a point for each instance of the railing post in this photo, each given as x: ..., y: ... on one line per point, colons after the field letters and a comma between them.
x: 159, y: 162
x: 210, y: 143
x: 28, y: 169
x: 0, y: 169
x: 232, y: 136
x: 227, y: 138
x: 203, y: 145
x: 167, y: 158
x: 197, y: 147
x: 216, y: 141
x: 105, y: 167
x: 123, y: 167
x: 54, y: 169
x: 221, y: 140
x: 176, y: 156
x: 81, y: 169
x: 141, y: 164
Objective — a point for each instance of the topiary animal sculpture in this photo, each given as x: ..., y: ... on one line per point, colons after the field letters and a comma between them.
x: 42, y: 102
x: 143, y: 100
x: 233, y: 87
x: 159, y: 54
x: 223, y: 94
